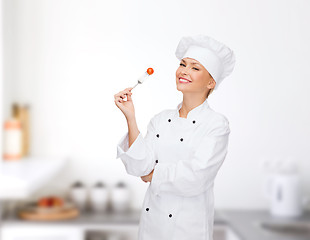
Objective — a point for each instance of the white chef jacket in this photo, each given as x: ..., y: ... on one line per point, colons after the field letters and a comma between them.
x: 186, y: 154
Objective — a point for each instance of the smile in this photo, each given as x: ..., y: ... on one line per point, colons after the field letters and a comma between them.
x: 183, y: 80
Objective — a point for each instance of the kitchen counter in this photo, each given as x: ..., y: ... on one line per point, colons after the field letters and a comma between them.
x: 245, y: 223
x: 91, y: 218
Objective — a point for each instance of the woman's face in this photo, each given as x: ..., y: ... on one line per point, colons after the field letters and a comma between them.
x: 199, y: 79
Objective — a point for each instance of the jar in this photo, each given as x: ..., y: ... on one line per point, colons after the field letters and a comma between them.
x: 120, y: 197
x: 99, y: 196
x: 78, y: 195
x: 12, y: 140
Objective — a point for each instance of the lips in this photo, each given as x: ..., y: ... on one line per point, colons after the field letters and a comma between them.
x: 186, y: 80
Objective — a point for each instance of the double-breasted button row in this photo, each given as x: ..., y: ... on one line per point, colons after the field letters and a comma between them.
x: 169, y: 120
x: 147, y: 209
x: 181, y: 139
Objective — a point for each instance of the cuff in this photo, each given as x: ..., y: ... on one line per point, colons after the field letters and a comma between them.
x: 136, y: 150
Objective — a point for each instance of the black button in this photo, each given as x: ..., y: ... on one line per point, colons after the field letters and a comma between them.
x: 181, y: 139
x: 194, y: 121
x: 169, y: 120
x: 157, y: 135
x: 147, y: 209
x: 156, y: 161
x: 170, y: 215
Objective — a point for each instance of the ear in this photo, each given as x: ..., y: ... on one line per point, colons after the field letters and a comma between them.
x: 211, y: 83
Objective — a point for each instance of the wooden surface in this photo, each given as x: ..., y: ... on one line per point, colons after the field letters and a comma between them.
x: 50, y: 215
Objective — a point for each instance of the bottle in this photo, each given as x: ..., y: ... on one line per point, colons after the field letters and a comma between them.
x: 24, y: 117
x: 21, y: 113
x: 12, y: 142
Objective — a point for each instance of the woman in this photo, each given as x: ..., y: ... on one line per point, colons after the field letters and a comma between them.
x: 183, y: 148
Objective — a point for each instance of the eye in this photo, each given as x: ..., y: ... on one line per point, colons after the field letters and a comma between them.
x: 196, y: 69
x: 181, y: 64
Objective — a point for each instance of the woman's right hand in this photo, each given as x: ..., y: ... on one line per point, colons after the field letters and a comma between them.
x: 127, y: 106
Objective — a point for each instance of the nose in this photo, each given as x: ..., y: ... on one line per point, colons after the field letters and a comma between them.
x: 184, y: 71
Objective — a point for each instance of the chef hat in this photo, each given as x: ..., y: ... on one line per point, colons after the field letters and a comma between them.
x: 218, y: 59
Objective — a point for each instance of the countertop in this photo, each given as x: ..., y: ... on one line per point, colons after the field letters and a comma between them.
x: 245, y: 223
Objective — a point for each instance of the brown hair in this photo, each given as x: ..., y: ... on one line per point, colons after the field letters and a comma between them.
x: 210, y: 91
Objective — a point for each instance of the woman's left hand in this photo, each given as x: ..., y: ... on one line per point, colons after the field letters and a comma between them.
x: 148, y: 178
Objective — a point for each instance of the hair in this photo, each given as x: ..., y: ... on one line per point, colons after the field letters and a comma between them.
x: 210, y: 91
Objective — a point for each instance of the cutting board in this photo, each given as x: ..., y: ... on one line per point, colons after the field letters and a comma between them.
x: 48, y: 214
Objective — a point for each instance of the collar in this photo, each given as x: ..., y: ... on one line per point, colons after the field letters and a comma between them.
x: 195, y: 112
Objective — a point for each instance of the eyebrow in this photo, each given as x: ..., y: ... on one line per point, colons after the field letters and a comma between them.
x: 191, y: 62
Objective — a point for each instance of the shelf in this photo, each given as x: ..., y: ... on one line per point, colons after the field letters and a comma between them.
x: 87, y: 219
x: 19, y: 179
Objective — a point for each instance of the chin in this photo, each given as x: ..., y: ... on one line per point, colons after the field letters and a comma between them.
x: 181, y: 89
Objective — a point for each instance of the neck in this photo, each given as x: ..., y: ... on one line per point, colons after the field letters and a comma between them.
x: 190, y: 102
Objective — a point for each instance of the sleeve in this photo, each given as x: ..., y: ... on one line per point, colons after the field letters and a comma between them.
x: 139, y: 159
x: 195, y: 175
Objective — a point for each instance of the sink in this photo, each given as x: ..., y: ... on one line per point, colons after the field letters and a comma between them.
x: 224, y: 232
x: 288, y: 228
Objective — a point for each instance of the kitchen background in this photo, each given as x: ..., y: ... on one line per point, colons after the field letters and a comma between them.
x: 66, y: 59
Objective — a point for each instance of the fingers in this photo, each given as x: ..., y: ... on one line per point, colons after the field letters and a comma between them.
x: 129, y: 97
x: 125, y: 91
x: 123, y: 94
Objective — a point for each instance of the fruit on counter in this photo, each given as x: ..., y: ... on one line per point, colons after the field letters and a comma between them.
x: 43, y: 202
x: 50, y: 201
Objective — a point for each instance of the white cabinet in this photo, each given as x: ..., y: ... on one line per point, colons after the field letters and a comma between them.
x: 88, y: 226
x: 84, y: 231
x: 45, y: 231
x: 41, y: 232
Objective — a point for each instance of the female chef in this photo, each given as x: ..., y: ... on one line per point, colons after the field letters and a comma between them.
x: 183, y: 148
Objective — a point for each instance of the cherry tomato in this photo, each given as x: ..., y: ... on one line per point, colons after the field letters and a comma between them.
x: 150, y: 71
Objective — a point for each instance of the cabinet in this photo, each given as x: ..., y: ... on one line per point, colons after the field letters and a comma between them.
x: 91, y: 226
x: 88, y: 226
x: 37, y: 232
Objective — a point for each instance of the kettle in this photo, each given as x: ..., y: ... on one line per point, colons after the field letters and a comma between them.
x: 283, y: 188
x: 284, y: 193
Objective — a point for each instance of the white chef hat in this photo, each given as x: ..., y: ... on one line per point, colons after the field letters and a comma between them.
x: 218, y: 59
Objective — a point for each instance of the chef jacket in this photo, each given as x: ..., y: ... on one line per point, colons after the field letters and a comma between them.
x: 186, y: 154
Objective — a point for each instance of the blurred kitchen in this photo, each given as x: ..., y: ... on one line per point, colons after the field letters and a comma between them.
x: 62, y: 61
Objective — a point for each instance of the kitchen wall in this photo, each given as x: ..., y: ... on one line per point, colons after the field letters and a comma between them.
x: 1, y: 77
x: 68, y: 58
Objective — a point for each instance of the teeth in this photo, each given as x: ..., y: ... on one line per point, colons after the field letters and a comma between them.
x: 183, y: 80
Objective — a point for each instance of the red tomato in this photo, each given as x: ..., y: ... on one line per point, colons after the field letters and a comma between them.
x: 44, y: 202
x: 150, y: 71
